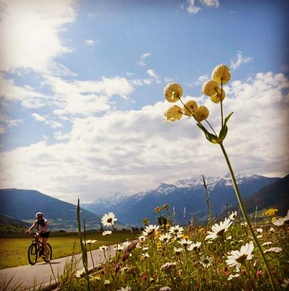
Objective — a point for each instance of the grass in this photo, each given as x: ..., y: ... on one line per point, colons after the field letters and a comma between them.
x: 188, y: 260
x: 13, y: 251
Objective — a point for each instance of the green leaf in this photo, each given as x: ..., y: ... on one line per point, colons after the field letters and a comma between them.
x: 210, y: 137
x: 224, y: 130
x: 228, y: 117
x: 223, y: 133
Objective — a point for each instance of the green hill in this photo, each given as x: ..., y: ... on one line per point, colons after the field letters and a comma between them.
x: 275, y: 195
x: 8, y: 225
x: 23, y: 204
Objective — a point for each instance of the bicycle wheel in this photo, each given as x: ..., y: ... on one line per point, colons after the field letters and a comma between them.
x: 48, y: 256
x: 32, y: 253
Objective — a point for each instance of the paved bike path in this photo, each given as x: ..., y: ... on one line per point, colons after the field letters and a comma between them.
x: 42, y: 275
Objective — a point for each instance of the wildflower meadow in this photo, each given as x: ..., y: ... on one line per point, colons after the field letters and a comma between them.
x: 233, y: 253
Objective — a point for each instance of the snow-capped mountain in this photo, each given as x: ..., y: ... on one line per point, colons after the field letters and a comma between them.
x: 184, y: 196
x: 211, y: 182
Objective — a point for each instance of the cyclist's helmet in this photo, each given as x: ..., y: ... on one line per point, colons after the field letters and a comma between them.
x: 38, y: 214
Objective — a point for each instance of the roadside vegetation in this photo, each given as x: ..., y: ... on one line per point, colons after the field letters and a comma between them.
x: 219, y: 256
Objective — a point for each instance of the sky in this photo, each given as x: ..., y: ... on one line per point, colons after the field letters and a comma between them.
x: 82, y: 92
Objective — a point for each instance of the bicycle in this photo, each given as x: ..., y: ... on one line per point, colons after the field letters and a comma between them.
x: 35, y: 250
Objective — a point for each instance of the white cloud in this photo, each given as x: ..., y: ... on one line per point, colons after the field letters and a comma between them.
x: 7, y: 122
x: 67, y: 98
x: 239, y: 60
x: 26, y: 95
x: 29, y: 33
x: 88, y: 97
x: 192, y: 8
x: 153, y: 75
x: 201, y: 80
x: 90, y: 42
x: 136, y: 150
x: 153, y: 78
x: 46, y: 121
x: 143, y: 58
x: 38, y: 117
x: 210, y: 3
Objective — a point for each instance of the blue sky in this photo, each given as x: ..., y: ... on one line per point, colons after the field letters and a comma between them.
x: 82, y: 92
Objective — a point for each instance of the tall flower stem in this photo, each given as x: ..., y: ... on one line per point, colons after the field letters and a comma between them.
x: 208, y: 200
x: 83, y: 246
x: 91, y: 257
x: 244, y: 212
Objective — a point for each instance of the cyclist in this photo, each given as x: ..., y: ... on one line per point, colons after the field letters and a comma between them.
x: 42, y: 230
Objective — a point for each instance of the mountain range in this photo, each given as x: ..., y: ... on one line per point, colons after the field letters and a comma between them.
x: 21, y: 205
x: 186, y: 198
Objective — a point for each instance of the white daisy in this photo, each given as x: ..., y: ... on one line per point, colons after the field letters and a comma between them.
x: 233, y: 215
x: 206, y: 261
x: 178, y: 237
x: 194, y: 246
x: 108, y: 219
x: 106, y: 232
x: 142, y: 239
x: 278, y: 221
x: 185, y: 242
x: 219, y: 229
x: 237, y: 258
x: 79, y: 273
x: 176, y: 230
x: 165, y: 237
x: 106, y: 282
x: 103, y: 248
x: 119, y: 247
x: 282, y: 220
x: 259, y: 230
x: 150, y: 229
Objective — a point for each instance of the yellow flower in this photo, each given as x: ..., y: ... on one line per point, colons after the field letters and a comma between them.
x: 173, y: 92
x: 201, y: 113
x: 270, y: 212
x: 190, y: 107
x: 166, y: 206
x: 174, y: 113
x: 221, y: 74
x: 211, y: 87
x: 217, y: 97
x: 185, y: 237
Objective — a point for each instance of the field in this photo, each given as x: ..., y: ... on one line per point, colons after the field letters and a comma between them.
x: 13, y: 250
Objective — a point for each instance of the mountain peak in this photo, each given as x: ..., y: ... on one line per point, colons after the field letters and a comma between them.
x: 211, y: 181
x: 165, y: 189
